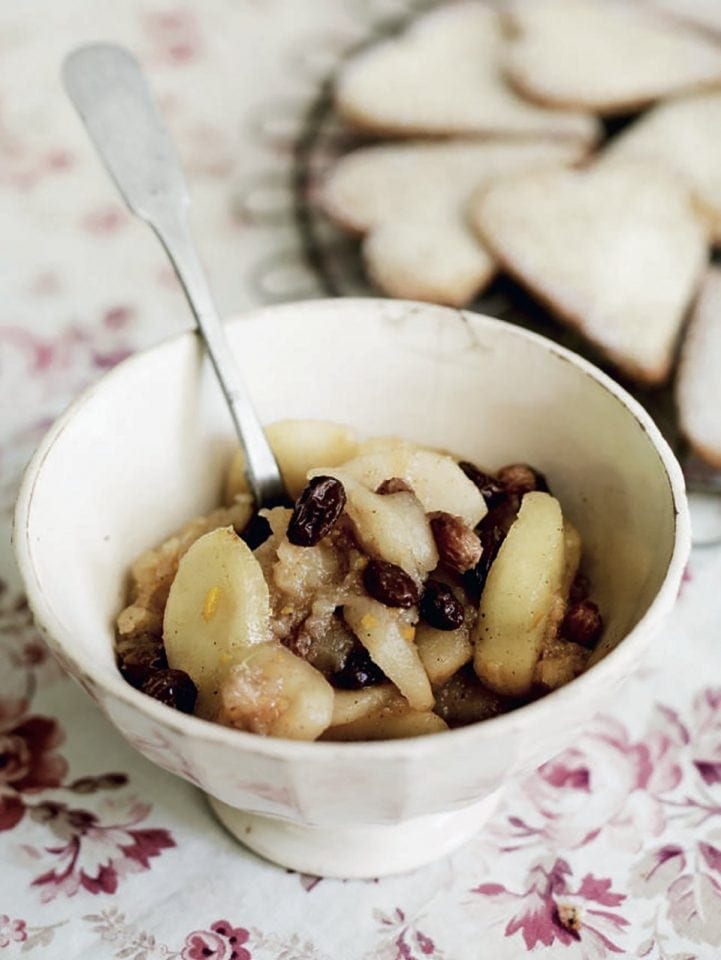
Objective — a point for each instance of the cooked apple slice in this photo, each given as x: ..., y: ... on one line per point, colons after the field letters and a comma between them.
x: 273, y: 692
x: 523, y: 586
x: 387, y: 634
x: 217, y: 607
x: 298, y: 446
x: 436, y: 479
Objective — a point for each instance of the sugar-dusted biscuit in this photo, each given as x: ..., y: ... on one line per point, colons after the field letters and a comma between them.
x: 698, y: 384
x: 617, y: 252
x: 609, y: 56
x: 441, y: 77
x: 411, y: 200
x: 684, y: 134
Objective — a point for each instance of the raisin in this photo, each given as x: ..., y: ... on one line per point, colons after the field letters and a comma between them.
x: 458, y: 546
x: 582, y: 624
x: 440, y: 607
x: 389, y: 584
x: 490, y: 487
x: 394, y: 485
x: 358, y: 671
x: 316, y: 511
x: 173, y: 688
x: 492, y: 531
x: 145, y: 657
x: 519, y: 478
x: 255, y: 532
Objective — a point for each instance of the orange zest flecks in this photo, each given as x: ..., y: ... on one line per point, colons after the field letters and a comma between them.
x: 210, y: 604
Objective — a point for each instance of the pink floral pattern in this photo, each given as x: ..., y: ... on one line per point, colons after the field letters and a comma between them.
x: 94, y: 856
x: 11, y: 931
x: 609, y: 783
x: 87, y: 853
x: 404, y: 940
x: 550, y: 911
x: 222, y: 942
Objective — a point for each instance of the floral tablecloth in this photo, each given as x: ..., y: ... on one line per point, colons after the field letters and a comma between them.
x: 613, y: 848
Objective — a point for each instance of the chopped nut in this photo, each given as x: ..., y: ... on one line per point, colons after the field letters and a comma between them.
x: 458, y: 546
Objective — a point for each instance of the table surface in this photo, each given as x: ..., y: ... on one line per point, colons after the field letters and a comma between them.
x: 614, y: 848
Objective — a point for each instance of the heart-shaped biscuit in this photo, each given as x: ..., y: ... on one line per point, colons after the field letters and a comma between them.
x: 609, y: 56
x: 441, y: 76
x: 616, y: 252
x: 411, y: 200
x: 698, y: 387
x: 685, y: 135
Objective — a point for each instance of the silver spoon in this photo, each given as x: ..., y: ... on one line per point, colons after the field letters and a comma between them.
x: 108, y: 88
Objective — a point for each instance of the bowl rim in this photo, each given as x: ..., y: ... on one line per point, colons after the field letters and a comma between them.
x: 194, y: 728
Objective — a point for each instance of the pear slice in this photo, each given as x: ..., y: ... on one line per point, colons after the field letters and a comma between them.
x: 352, y: 705
x: 443, y: 652
x: 436, y: 479
x: 386, y: 724
x: 387, y: 635
x: 272, y: 692
x: 218, y: 606
x: 523, y: 586
x: 392, y: 526
x: 298, y: 445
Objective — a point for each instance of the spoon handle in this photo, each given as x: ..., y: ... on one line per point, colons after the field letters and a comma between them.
x: 109, y: 91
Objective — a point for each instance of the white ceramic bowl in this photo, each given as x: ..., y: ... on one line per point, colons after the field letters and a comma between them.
x: 144, y: 450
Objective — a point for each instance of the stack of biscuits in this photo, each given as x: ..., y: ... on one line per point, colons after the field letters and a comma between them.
x: 498, y: 162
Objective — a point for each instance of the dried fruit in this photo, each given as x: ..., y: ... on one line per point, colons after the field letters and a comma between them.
x: 519, y: 478
x: 490, y: 487
x: 491, y: 532
x: 358, y: 671
x: 316, y: 511
x: 144, y: 657
x: 583, y: 624
x: 394, y: 485
x: 440, y: 608
x: 389, y: 584
x: 173, y: 688
x: 458, y: 546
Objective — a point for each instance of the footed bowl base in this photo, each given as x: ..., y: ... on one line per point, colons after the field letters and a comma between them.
x: 355, y: 852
